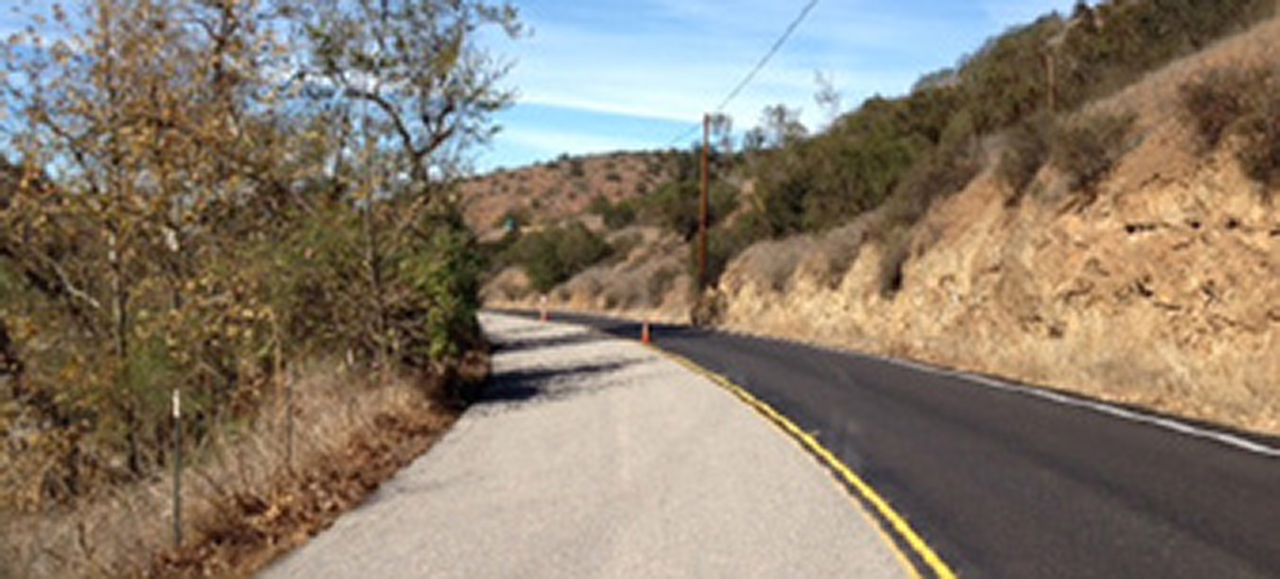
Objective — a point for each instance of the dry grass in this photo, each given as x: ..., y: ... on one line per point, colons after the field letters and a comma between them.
x: 1160, y: 294
x: 243, y: 504
x: 554, y: 191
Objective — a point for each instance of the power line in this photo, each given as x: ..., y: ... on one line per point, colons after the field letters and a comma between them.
x: 686, y: 134
x: 777, y: 45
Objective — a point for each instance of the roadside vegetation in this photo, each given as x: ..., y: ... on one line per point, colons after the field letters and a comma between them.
x: 1243, y: 105
x: 896, y: 156
x: 1018, y: 105
x: 178, y: 215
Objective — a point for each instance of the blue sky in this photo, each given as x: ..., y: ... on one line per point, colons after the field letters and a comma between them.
x: 606, y: 75
x: 621, y: 75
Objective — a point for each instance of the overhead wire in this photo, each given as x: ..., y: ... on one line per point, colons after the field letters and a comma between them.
x: 746, y: 80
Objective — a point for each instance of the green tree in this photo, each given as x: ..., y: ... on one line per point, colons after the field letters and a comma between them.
x: 552, y: 256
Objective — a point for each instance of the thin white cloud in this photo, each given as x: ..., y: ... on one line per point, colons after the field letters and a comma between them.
x: 548, y: 142
x: 678, y: 75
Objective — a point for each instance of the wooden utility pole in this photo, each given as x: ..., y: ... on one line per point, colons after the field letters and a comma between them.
x: 703, y: 205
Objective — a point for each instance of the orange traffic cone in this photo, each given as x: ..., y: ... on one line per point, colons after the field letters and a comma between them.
x: 645, y: 338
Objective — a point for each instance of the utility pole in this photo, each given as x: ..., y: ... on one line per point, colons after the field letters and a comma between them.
x: 702, y: 205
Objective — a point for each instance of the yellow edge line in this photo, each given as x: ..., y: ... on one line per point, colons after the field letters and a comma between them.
x: 899, y: 524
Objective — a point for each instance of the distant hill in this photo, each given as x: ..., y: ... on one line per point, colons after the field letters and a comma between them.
x: 552, y: 191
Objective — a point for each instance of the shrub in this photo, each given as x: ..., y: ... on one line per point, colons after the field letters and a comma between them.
x: 822, y: 182
x: 1026, y: 150
x: 893, y: 260
x: 1244, y: 103
x: 554, y: 255
x: 1260, y: 154
x: 598, y: 205
x: 726, y: 242
x: 576, y: 168
x: 1086, y: 149
x: 659, y: 284
x: 622, y: 246
x: 944, y: 171
x: 1004, y: 81
x: 620, y: 215
x: 674, y: 206
x: 615, y: 215
x: 1215, y: 102
x: 856, y: 165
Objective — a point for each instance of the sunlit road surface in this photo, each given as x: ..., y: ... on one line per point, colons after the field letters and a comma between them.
x: 593, y: 456
x: 1003, y: 480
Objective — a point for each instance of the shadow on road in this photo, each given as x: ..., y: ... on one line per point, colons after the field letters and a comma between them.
x: 547, y: 384
x: 533, y: 343
x: 617, y: 327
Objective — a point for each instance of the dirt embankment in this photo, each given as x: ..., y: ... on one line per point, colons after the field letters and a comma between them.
x: 1163, y: 292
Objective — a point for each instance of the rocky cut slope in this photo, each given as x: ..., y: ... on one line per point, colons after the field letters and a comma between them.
x: 1162, y: 289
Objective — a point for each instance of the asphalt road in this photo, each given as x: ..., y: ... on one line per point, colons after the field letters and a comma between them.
x: 592, y: 456
x: 1003, y: 482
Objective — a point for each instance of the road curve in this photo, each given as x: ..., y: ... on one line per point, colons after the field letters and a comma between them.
x: 1007, y: 481
x: 596, y: 457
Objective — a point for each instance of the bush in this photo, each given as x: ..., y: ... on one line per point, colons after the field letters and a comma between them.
x: 893, y: 260
x: 944, y: 171
x: 554, y: 255
x: 824, y: 181
x: 622, y: 246
x: 1260, y: 154
x: 443, y: 272
x: 576, y: 168
x: 1026, y: 150
x: 1244, y: 103
x: 659, y: 284
x: 1116, y: 42
x: 599, y: 204
x: 726, y: 242
x: 856, y: 166
x: 1004, y: 82
x: 1215, y: 102
x: 675, y: 206
x: 1086, y: 149
x: 615, y: 215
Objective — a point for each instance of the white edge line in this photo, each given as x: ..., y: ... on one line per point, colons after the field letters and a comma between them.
x: 1100, y: 407
x: 1170, y: 424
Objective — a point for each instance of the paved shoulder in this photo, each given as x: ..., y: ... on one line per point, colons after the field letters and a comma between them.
x: 596, y: 457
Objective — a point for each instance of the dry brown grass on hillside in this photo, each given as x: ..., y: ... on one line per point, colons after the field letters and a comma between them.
x: 243, y: 505
x: 553, y: 191
x: 1159, y: 291
x: 651, y: 280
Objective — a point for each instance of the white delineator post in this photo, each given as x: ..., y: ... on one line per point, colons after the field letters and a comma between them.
x: 177, y: 468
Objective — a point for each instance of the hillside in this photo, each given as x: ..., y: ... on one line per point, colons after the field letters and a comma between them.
x: 555, y: 190
x: 1156, y: 285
